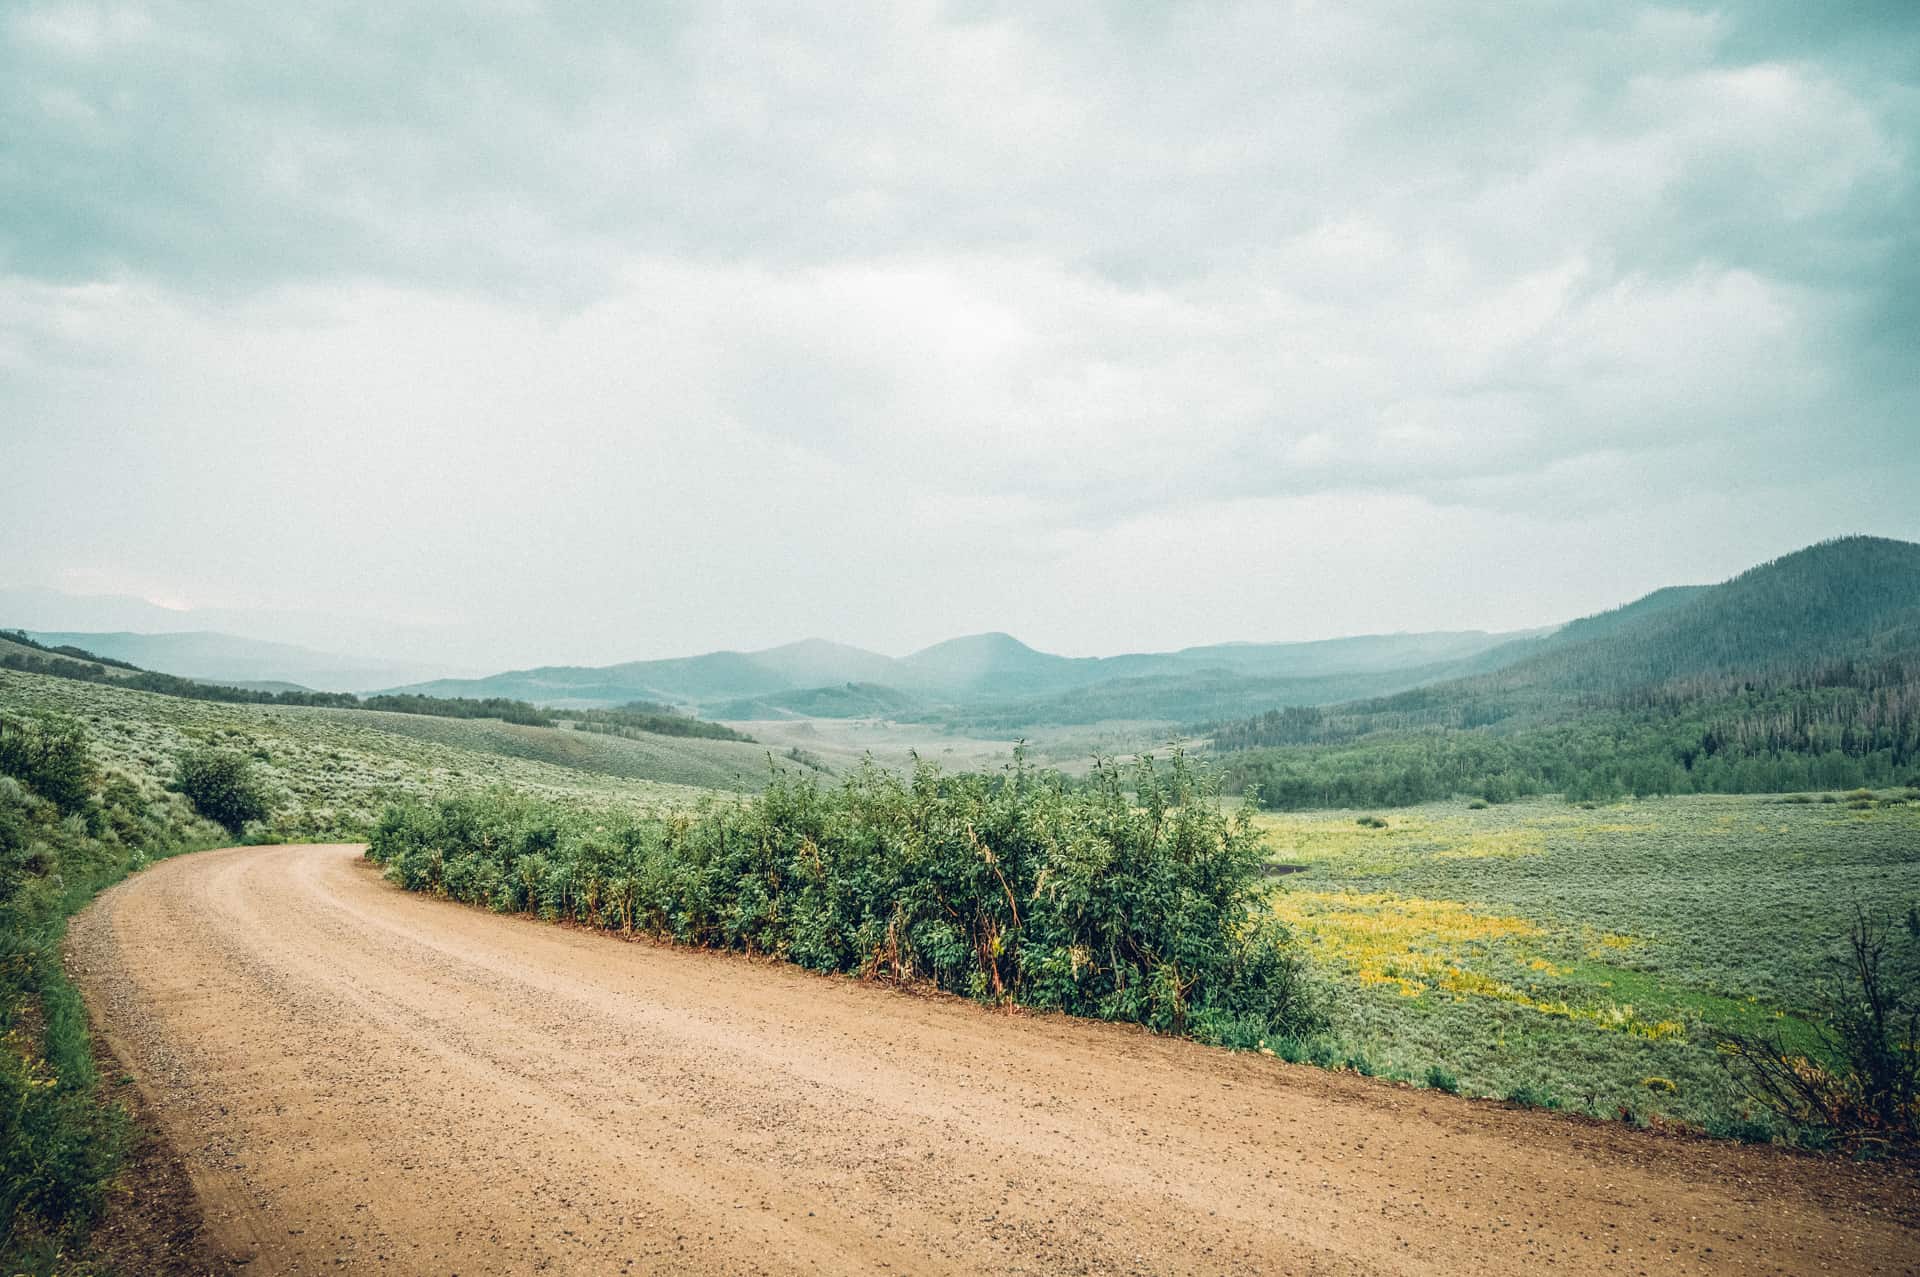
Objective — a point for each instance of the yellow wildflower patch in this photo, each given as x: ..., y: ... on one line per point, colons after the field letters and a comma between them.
x: 1416, y: 946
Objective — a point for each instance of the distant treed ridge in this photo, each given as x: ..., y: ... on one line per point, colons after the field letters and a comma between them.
x: 1803, y: 673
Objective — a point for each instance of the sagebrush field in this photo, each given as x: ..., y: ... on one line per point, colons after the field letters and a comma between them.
x: 1585, y: 955
x: 332, y: 770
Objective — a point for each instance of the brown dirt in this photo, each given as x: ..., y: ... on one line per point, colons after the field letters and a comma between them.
x: 361, y: 1079
x: 151, y: 1222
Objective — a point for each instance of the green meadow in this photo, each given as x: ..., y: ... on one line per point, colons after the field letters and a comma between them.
x: 1584, y: 955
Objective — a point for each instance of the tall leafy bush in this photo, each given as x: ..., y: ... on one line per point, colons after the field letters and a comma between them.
x: 1132, y: 897
x: 222, y: 786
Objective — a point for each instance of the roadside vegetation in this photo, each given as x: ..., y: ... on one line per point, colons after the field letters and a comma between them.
x: 67, y: 828
x: 1130, y: 896
x: 98, y: 779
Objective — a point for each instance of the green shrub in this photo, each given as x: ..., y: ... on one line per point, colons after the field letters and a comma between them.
x: 1532, y: 1097
x: 64, y: 833
x: 221, y: 785
x: 1373, y: 822
x: 1127, y: 897
x: 50, y: 757
x: 1440, y: 1079
x: 1745, y: 1130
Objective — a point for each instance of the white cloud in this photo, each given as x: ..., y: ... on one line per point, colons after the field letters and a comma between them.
x: 898, y: 321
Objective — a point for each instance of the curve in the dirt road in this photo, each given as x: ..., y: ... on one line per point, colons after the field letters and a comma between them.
x: 359, y: 1079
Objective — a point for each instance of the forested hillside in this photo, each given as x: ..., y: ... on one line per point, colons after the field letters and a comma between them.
x: 1802, y: 673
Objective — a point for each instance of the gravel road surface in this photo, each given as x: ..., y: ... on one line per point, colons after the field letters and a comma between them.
x: 362, y: 1080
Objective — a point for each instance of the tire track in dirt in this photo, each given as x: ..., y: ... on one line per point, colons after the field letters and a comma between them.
x: 359, y: 1079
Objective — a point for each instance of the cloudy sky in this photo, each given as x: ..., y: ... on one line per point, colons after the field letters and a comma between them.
x: 590, y: 335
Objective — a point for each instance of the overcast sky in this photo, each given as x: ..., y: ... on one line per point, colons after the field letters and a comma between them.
x: 581, y: 335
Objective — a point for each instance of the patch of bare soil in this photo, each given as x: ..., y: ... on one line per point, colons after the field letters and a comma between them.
x: 358, y: 1079
x: 151, y: 1224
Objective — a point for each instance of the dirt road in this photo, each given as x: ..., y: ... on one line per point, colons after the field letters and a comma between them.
x: 364, y: 1080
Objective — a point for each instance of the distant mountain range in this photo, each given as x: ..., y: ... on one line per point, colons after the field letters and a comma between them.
x: 994, y: 679
x: 1855, y: 599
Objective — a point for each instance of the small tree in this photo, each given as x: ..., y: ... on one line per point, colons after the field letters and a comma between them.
x: 1860, y: 1074
x: 222, y: 786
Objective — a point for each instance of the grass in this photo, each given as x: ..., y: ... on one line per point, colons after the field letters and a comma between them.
x: 1583, y: 957
x: 333, y: 770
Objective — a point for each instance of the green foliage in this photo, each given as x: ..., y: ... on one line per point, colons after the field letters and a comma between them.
x: 333, y: 770
x: 651, y: 719
x: 50, y: 757
x: 222, y: 786
x: 1859, y: 1075
x: 1532, y: 1097
x: 508, y: 711
x: 65, y: 832
x: 1440, y: 1079
x: 1128, y: 898
x: 1600, y: 756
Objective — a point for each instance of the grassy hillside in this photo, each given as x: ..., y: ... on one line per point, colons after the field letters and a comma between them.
x: 334, y: 769
x: 845, y: 700
x: 1801, y: 673
x: 1178, y: 698
x: 31, y: 651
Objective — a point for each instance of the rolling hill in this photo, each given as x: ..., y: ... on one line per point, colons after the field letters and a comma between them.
x: 1803, y: 672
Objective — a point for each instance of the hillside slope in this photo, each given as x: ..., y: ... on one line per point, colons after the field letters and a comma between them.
x: 1799, y: 673
x: 338, y: 767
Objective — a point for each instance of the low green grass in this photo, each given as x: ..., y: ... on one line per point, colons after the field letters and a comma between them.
x: 1585, y: 955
